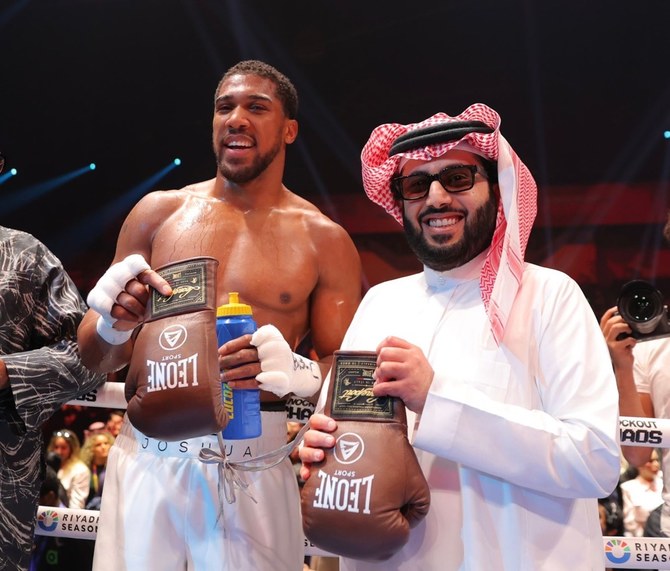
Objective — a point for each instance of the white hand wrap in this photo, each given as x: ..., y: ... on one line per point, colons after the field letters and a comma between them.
x: 103, y: 296
x: 283, y: 371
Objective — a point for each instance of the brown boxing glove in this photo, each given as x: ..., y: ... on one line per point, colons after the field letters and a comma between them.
x: 173, y: 387
x: 369, y: 490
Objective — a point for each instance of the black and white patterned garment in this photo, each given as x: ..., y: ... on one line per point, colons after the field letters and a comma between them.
x: 40, y: 309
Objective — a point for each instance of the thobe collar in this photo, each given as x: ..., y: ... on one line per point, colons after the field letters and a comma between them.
x: 467, y: 272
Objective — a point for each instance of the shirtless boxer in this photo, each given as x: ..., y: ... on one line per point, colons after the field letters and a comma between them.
x: 298, y: 270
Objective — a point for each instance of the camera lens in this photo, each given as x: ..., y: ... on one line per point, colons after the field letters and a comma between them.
x: 641, y: 306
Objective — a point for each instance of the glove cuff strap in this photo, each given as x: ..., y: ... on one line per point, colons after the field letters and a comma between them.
x: 193, y: 283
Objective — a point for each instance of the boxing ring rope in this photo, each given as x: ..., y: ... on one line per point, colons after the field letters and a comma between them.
x: 619, y: 552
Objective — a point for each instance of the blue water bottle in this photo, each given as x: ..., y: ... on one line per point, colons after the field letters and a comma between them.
x: 233, y: 320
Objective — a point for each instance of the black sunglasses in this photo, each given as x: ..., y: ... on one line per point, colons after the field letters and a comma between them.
x: 454, y: 179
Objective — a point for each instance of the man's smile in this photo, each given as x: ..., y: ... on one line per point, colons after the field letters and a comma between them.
x: 442, y: 220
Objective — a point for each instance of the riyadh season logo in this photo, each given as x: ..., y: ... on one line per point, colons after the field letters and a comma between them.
x: 617, y: 551
x: 172, y: 337
x: 47, y: 520
x: 349, y: 448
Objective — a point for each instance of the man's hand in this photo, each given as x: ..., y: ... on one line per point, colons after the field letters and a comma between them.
x: 619, y: 342
x: 130, y: 305
x: 314, y: 441
x: 121, y: 295
x: 404, y: 372
x: 239, y: 364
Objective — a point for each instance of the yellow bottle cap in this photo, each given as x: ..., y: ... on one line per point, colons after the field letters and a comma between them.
x: 233, y: 307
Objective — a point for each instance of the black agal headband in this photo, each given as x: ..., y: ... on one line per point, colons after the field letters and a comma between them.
x: 434, y: 134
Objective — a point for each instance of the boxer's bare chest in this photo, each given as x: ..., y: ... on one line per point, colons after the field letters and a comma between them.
x: 268, y: 259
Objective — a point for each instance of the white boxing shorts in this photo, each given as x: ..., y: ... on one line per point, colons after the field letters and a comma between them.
x: 160, y: 506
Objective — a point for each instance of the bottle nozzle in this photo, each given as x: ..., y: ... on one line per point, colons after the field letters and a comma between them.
x: 233, y: 307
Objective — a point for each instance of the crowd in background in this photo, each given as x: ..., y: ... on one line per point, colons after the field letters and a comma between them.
x: 76, y: 455
x: 76, y: 462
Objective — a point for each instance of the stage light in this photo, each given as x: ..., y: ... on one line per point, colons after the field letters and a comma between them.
x: 79, y: 235
x: 7, y: 175
x: 666, y: 134
x: 27, y: 194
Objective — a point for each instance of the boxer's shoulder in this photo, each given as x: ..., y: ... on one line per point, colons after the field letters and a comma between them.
x: 315, y: 223
x: 160, y: 200
x: 160, y: 205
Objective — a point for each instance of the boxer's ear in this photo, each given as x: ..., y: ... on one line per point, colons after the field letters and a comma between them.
x: 290, y: 131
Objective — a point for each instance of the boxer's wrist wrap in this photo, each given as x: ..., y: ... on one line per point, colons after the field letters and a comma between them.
x: 103, y: 296
x: 284, y: 371
x: 111, y: 335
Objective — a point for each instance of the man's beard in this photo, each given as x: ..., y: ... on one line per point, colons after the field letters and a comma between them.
x: 241, y: 175
x: 477, y: 235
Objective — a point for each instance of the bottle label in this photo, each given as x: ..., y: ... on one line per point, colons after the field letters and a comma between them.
x: 228, y: 400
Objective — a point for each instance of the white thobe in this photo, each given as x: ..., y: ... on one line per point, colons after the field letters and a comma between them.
x: 516, y: 441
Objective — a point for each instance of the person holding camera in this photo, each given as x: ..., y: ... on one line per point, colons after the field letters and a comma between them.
x: 641, y: 360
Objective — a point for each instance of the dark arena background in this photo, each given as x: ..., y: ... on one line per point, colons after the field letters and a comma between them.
x: 102, y: 101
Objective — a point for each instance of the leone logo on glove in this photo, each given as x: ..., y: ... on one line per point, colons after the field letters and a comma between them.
x: 369, y: 490
x: 349, y: 448
x: 173, y: 337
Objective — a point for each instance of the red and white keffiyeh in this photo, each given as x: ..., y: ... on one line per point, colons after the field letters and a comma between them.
x: 503, y: 268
